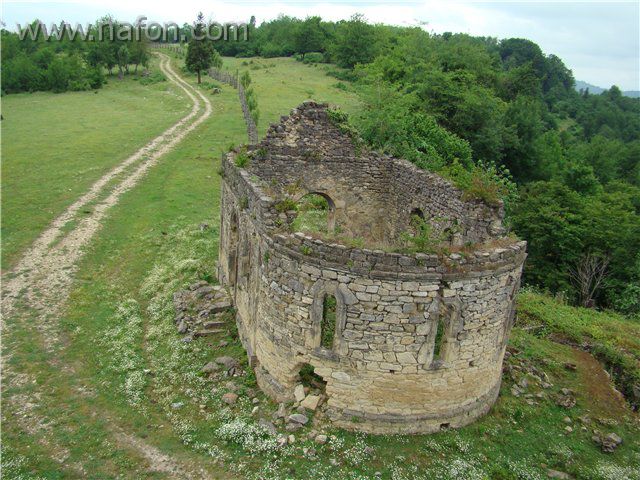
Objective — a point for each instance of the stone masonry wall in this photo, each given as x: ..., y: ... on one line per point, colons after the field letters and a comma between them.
x: 308, y: 154
x: 442, y: 205
x: 372, y: 192
x: 382, y: 374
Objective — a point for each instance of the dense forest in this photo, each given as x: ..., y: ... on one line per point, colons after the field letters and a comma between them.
x: 500, y: 118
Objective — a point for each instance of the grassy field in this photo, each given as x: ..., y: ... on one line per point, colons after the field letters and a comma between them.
x: 132, y: 372
x: 55, y: 145
x: 180, y: 191
x: 284, y: 83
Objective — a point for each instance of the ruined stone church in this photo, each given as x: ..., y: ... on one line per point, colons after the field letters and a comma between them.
x: 416, y: 340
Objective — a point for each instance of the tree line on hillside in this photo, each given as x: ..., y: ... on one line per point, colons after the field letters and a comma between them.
x: 500, y: 118
x: 62, y: 63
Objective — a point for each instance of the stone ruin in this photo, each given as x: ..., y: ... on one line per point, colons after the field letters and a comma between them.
x: 200, y: 310
x: 418, y: 339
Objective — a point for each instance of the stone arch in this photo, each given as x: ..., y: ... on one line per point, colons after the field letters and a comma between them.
x: 331, y: 210
x: 444, y: 335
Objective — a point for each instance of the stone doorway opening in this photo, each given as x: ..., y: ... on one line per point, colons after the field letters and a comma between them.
x: 310, y: 379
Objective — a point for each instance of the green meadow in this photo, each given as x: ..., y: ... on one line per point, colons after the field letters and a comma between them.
x: 283, y: 83
x: 132, y: 373
x: 54, y: 146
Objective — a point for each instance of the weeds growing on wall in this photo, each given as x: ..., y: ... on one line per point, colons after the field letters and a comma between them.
x: 242, y: 159
x: 421, y: 238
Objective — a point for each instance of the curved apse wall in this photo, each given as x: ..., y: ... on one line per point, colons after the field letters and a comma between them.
x: 418, y: 339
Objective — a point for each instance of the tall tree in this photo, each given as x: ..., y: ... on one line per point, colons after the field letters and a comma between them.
x: 122, y: 56
x: 200, y: 52
x: 310, y: 36
x: 139, y: 53
x: 355, y: 42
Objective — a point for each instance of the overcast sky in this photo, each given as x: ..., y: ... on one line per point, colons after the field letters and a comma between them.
x: 599, y: 41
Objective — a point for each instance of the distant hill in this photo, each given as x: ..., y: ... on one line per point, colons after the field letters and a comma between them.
x: 580, y: 85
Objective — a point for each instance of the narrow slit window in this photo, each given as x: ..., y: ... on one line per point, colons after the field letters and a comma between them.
x: 437, y: 346
x: 328, y: 326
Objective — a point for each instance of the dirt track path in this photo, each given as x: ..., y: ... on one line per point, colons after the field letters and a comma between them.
x: 42, y: 279
x: 43, y: 275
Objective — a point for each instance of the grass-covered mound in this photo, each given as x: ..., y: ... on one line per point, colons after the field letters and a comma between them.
x: 611, y: 338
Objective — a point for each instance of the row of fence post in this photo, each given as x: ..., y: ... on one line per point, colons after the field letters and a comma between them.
x: 226, y: 77
x: 172, y: 47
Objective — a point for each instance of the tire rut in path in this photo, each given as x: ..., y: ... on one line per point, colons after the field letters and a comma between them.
x: 43, y: 277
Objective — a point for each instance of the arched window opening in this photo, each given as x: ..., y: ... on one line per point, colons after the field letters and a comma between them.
x: 328, y: 324
x: 448, y: 234
x: 315, y: 214
x: 416, y: 222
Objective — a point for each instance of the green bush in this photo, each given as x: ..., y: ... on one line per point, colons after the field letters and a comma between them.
x: 271, y: 50
x: 242, y: 160
x: 210, y: 84
x: 488, y: 183
x: 285, y: 205
x: 79, y: 85
x: 155, y: 77
x: 63, y: 65
x: 313, y: 57
x: 245, y: 79
x: 421, y: 239
x: 343, y: 74
x: 391, y: 124
x: 628, y: 301
x: 96, y: 77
